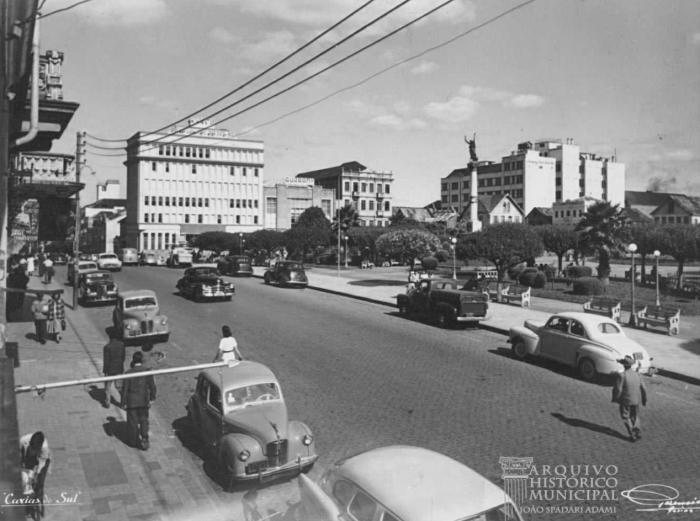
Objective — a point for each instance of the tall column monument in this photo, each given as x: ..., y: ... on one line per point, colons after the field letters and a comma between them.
x: 473, y: 192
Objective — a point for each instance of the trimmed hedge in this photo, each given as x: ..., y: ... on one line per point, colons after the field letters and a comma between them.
x: 575, y: 272
x: 588, y: 286
x: 535, y: 279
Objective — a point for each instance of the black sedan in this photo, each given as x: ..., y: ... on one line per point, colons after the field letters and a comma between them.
x: 236, y: 265
x: 287, y: 273
x: 204, y: 282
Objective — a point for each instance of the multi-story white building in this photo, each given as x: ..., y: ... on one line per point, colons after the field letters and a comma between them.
x: 369, y: 191
x: 286, y: 200
x: 539, y: 175
x: 200, y: 179
x: 110, y: 190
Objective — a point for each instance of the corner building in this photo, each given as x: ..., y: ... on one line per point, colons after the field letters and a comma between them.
x: 198, y: 180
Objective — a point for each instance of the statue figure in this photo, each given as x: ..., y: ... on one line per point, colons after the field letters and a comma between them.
x: 472, y: 148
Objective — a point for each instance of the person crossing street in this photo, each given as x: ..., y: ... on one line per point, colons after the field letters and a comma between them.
x: 137, y: 396
x: 629, y: 392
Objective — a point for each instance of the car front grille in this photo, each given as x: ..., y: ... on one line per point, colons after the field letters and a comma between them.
x: 277, y: 453
x: 146, y: 326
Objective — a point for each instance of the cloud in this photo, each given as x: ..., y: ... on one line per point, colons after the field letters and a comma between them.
x: 116, y: 12
x: 679, y: 154
x: 396, y: 122
x: 469, y: 99
x: 153, y: 101
x: 695, y: 38
x: 424, y: 68
x: 272, y: 45
x: 224, y: 36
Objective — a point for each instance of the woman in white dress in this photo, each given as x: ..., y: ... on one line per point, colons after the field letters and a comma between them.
x: 228, y: 347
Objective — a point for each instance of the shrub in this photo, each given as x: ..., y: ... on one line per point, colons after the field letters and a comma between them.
x: 532, y: 277
x: 575, y: 272
x: 443, y: 255
x: 429, y: 263
x: 588, y: 286
x: 515, y: 271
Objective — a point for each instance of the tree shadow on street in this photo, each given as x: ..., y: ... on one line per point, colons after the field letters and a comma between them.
x: 575, y: 422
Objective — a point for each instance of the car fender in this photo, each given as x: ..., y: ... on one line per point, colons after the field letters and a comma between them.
x: 315, y: 504
x: 604, y: 359
x: 296, y: 431
x: 530, y: 338
x: 231, y: 445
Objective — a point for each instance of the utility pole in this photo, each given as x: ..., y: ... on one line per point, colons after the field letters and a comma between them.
x: 79, y: 160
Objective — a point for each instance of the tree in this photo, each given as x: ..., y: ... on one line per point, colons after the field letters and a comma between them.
x: 406, y: 245
x: 309, y: 232
x: 313, y: 217
x: 505, y: 245
x: 558, y: 240
x: 364, y: 238
x: 680, y: 242
x: 601, y: 228
x: 647, y: 237
x: 216, y: 241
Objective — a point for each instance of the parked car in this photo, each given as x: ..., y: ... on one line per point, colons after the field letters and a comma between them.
x: 203, y: 282
x: 180, y: 256
x: 236, y: 265
x: 137, y: 316
x: 592, y: 344
x: 402, y: 483
x: 97, y: 286
x: 444, y: 302
x: 129, y: 256
x: 287, y: 273
x: 82, y: 266
x: 109, y: 261
x: 151, y: 258
x: 59, y: 259
x: 240, y: 412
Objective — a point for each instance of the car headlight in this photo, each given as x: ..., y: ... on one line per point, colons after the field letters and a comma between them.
x: 307, y: 439
x: 127, y: 326
x: 163, y: 321
x: 244, y: 455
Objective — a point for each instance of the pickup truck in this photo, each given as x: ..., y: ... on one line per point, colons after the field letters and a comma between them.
x: 444, y: 302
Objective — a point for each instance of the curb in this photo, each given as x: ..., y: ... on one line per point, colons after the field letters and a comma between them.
x: 494, y: 329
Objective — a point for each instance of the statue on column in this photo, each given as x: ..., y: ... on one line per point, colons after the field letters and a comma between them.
x: 472, y: 148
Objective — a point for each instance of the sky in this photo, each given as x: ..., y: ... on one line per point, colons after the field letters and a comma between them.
x: 620, y: 77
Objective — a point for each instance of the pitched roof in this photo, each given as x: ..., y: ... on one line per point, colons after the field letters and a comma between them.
x: 107, y: 203
x: 689, y: 203
x: 636, y: 216
x: 544, y: 210
x: 647, y: 198
x: 488, y: 202
x: 333, y: 171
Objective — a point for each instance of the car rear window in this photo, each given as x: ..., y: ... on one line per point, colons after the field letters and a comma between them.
x: 608, y: 328
x: 139, y: 302
x: 95, y: 277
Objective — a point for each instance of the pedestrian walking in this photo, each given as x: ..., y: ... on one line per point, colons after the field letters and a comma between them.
x: 48, y: 270
x: 56, y: 320
x: 629, y: 392
x: 113, y: 355
x: 137, y: 395
x: 31, y: 265
x: 34, y: 459
x: 40, y: 311
x: 16, y: 280
x: 228, y: 347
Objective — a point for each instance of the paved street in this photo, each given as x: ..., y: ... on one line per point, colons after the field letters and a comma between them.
x: 361, y: 377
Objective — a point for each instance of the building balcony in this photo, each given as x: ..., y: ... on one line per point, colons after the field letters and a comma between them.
x: 54, y: 116
x: 355, y: 195
x: 380, y: 196
x: 38, y: 174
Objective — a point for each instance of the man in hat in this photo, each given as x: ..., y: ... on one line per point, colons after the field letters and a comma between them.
x: 629, y: 392
x: 137, y: 395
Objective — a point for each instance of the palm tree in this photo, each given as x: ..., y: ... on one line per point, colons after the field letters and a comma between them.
x: 601, y: 228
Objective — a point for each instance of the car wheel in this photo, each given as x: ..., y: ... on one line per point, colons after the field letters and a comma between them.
x: 267, y: 279
x: 587, y: 370
x: 403, y: 309
x: 519, y: 349
x: 443, y: 320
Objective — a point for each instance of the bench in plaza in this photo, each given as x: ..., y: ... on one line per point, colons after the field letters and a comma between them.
x: 663, y: 316
x: 606, y: 306
x: 517, y: 294
x: 491, y: 290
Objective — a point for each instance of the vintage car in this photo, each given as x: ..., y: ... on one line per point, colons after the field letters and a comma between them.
x: 109, y: 261
x: 136, y: 316
x: 97, y: 286
x: 443, y: 302
x: 152, y: 258
x: 236, y: 265
x: 403, y: 483
x: 592, y: 344
x: 59, y: 259
x: 129, y: 256
x: 82, y: 266
x: 204, y: 282
x: 240, y: 412
x: 287, y: 273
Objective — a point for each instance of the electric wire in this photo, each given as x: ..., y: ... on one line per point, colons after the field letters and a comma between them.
x: 285, y: 75
x: 102, y: 147
x: 64, y: 9
x: 105, y: 140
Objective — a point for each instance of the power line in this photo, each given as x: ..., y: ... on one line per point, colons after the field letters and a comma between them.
x: 389, y: 68
x: 295, y: 69
x: 63, y: 9
x: 105, y: 140
x: 104, y: 148
x: 271, y: 67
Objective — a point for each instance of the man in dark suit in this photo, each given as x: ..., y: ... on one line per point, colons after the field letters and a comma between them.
x: 137, y: 395
x: 629, y: 392
x: 113, y: 355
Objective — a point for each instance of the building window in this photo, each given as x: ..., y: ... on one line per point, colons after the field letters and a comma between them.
x: 230, y: 203
x: 145, y: 200
x: 363, y: 204
x: 167, y: 167
x: 232, y: 171
x: 255, y: 219
x: 207, y: 153
x: 271, y: 206
x: 199, y: 219
x: 153, y: 166
x: 256, y: 172
x: 250, y: 203
x: 364, y: 188
x: 238, y: 219
x: 218, y: 219
x: 153, y: 217
x: 347, y: 186
x: 200, y: 202
x: 187, y: 201
x: 167, y: 150
x: 455, y: 186
x: 444, y: 186
x: 238, y: 203
x: 187, y: 218
x: 167, y: 200
x: 455, y: 198
x: 444, y: 199
x: 179, y: 201
x: 160, y: 200
x: 256, y: 203
x: 371, y: 205
x: 387, y: 189
x: 371, y: 188
x: 160, y: 151
x: 145, y: 217
x: 194, y: 169
x: 244, y: 171
x: 244, y: 203
x: 160, y: 217
x: 153, y: 200
x: 206, y: 202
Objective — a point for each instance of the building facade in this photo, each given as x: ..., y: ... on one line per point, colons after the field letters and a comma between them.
x: 285, y: 201
x: 538, y: 175
x: 111, y: 189
x: 678, y: 209
x: 368, y: 190
x: 497, y: 208
x: 570, y: 212
x: 191, y: 180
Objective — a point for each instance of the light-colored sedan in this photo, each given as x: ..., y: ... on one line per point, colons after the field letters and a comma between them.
x: 109, y: 261
x: 403, y: 483
x: 590, y: 343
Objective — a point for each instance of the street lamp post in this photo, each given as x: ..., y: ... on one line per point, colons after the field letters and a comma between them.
x: 453, y: 240
x: 345, y: 238
x: 240, y: 242
x: 632, y: 248
x: 657, y: 254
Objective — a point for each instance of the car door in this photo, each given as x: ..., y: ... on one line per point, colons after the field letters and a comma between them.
x: 553, y: 336
x: 421, y: 302
x: 211, y: 417
x: 117, y: 314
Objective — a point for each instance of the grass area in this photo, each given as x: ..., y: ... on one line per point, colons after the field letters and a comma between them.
x: 644, y: 295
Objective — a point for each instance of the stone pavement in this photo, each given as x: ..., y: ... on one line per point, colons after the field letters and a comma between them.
x: 93, y: 474
x: 675, y: 356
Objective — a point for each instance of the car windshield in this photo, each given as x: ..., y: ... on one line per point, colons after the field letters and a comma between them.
x: 98, y: 277
x: 108, y: 256
x: 139, y: 302
x: 87, y: 266
x: 292, y: 265
x: 252, y: 394
x: 500, y: 513
x: 203, y: 272
x: 608, y: 328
